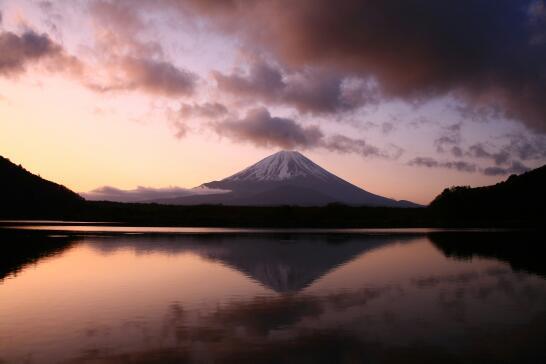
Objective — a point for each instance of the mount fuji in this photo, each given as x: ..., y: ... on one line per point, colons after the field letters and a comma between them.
x: 284, y: 178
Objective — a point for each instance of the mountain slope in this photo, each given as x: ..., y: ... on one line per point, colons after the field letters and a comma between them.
x: 286, y: 195
x: 287, y: 178
x: 26, y: 194
x: 521, y: 197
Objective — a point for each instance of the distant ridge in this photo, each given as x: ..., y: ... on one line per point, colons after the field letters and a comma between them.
x: 286, y: 178
x: 26, y: 194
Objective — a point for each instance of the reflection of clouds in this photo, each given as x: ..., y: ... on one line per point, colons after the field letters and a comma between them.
x: 489, y: 280
x: 389, y: 314
x: 456, y: 293
x: 262, y: 315
x: 141, y: 327
x: 346, y: 300
x: 460, y: 316
x: 267, y: 329
x: 497, y: 271
x: 243, y: 331
x: 174, y: 322
x: 97, y: 330
x: 433, y: 280
x: 463, y: 316
x: 453, y: 303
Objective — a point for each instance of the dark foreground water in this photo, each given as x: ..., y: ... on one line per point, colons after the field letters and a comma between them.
x: 412, y: 297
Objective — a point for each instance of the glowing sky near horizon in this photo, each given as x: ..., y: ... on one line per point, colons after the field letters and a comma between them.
x: 178, y: 93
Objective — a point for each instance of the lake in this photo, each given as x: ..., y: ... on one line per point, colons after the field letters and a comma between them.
x: 73, y: 293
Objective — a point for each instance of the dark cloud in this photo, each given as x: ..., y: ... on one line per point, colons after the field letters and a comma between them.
x: 507, y: 159
x: 457, y: 151
x: 208, y: 110
x: 138, y: 69
x: 309, y: 91
x: 461, y: 166
x: 486, y: 53
x: 537, y: 15
x: 478, y: 113
x: 121, y: 15
x: 344, y: 144
x: 526, y: 148
x: 18, y: 51
x: 262, y: 129
x: 479, y: 151
x: 510, y: 156
x: 387, y: 127
x: 120, y: 30
x: 515, y: 168
x: 149, y: 75
x: 449, y: 140
x: 368, y: 125
x: 158, y: 77
x: 132, y: 61
x: 141, y: 194
x: 420, y: 121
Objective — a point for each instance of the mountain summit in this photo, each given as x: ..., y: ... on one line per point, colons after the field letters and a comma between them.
x: 280, y: 166
x: 285, y: 178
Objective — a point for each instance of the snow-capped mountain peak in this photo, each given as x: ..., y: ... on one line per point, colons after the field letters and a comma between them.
x: 280, y: 166
x: 284, y: 178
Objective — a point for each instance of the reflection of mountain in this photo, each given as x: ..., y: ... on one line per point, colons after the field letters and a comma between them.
x: 19, y: 249
x: 290, y: 266
x: 522, y: 250
x: 283, y: 263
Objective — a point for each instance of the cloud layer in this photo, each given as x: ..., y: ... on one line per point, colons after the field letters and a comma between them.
x: 144, y: 194
x: 260, y: 128
x: 488, y: 53
x: 309, y: 91
x: 149, y: 75
x: 297, y: 68
x: 515, y: 167
x: 18, y: 51
x: 460, y: 166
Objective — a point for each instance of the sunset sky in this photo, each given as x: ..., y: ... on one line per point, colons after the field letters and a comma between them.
x: 402, y: 98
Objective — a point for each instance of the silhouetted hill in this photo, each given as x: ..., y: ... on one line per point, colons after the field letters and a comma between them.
x: 23, y: 194
x: 519, y: 198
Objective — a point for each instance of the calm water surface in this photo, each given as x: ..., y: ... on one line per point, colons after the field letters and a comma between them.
x: 419, y: 296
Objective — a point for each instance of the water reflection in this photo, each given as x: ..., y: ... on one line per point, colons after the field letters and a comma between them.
x: 277, y: 299
x: 283, y: 263
x: 20, y: 249
x: 522, y: 250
